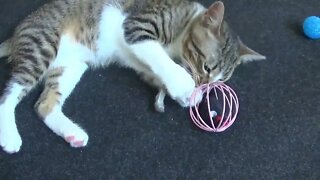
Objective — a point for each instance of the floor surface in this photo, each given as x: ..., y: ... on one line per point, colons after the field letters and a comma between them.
x: 277, y: 135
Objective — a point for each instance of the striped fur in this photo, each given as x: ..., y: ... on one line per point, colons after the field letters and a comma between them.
x: 36, y: 41
x: 50, y: 95
x: 196, y: 38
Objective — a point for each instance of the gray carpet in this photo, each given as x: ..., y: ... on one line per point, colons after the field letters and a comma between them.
x: 276, y: 135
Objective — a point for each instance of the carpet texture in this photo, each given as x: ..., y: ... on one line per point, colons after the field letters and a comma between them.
x: 277, y: 135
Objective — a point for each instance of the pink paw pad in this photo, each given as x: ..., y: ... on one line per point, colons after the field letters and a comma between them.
x: 70, y: 139
x: 79, y: 143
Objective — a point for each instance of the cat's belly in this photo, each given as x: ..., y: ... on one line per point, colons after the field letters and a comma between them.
x: 111, y: 37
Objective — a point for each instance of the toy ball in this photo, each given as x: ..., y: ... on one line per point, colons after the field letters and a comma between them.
x: 311, y: 27
x: 218, y: 109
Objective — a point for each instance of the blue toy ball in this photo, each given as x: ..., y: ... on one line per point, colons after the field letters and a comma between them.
x: 311, y: 27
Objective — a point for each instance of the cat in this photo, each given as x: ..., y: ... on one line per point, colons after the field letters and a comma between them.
x: 175, y: 45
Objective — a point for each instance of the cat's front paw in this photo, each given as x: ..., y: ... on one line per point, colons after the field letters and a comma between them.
x: 181, y: 87
x: 189, y: 101
x: 10, y: 140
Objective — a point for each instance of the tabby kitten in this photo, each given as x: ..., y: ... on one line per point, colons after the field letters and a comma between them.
x: 174, y: 44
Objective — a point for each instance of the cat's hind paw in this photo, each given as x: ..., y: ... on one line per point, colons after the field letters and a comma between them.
x: 10, y: 141
x: 68, y: 130
x: 77, y: 138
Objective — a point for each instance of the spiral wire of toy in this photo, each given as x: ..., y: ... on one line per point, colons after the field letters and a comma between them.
x: 230, y: 99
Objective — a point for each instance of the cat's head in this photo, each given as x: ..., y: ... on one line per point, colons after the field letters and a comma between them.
x: 210, y: 49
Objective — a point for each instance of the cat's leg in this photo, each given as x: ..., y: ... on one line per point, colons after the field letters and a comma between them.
x: 151, y: 79
x: 62, y: 77
x: 175, y: 78
x: 27, y: 70
x: 60, y: 82
x: 10, y: 139
x: 23, y: 78
x: 128, y: 60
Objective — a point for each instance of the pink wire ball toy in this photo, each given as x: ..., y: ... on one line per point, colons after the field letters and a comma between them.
x: 218, y: 109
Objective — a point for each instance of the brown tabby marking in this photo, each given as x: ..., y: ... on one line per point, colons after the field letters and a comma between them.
x: 197, y: 38
x: 50, y: 95
x: 36, y: 41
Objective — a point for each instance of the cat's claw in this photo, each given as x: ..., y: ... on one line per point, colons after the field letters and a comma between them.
x: 10, y: 141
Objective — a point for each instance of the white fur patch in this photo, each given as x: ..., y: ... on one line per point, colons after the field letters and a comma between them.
x: 71, y: 52
x: 70, y: 78
x: 72, y: 57
x: 10, y: 139
x: 111, y: 34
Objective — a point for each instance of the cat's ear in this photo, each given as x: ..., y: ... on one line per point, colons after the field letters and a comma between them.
x: 213, y: 17
x: 247, y: 54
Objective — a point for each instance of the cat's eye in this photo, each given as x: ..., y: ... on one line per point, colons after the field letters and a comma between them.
x: 206, y: 68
